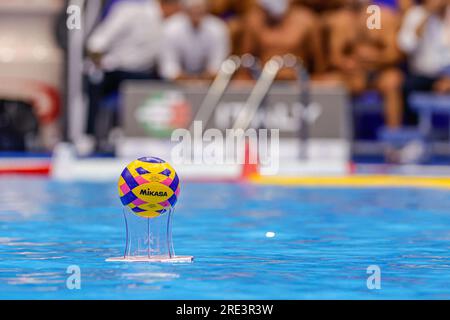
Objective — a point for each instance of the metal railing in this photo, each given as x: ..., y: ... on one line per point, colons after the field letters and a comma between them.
x: 221, y: 82
x: 264, y: 84
x: 265, y: 78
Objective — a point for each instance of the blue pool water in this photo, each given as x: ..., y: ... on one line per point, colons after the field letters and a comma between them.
x: 324, y: 241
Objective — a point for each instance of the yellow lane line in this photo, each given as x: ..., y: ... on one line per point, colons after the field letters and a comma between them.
x: 356, y: 181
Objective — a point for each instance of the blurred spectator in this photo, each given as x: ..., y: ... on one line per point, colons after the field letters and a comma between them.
x: 365, y: 58
x: 233, y: 12
x: 128, y: 38
x: 124, y: 45
x: 169, y: 7
x: 277, y: 28
x: 195, y: 43
x: 425, y: 38
x: 321, y: 5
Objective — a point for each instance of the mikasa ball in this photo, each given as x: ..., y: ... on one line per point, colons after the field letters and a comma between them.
x: 149, y: 186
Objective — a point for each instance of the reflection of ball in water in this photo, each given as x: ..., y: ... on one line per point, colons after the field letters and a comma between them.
x: 149, y: 187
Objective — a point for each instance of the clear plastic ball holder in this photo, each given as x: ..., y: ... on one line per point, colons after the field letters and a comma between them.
x: 149, y: 239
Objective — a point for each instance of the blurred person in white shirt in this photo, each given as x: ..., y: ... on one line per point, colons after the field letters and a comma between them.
x: 124, y: 46
x: 194, y: 44
x: 425, y: 38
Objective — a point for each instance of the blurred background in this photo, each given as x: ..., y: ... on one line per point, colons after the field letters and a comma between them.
x: 362, y: 88
x: 359, y: 91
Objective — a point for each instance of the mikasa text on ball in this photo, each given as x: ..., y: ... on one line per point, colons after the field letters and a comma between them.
x: 149, y: 187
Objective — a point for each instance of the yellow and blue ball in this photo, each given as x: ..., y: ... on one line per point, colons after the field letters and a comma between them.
x: 149, y: 187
